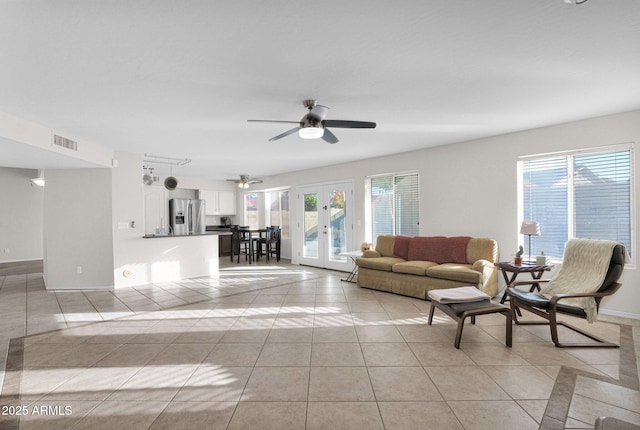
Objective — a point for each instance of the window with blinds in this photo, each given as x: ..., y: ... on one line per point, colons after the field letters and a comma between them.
x: 581, y: 194
x: 251, y: 210
x: 277, y: 208
x: 395, y: 203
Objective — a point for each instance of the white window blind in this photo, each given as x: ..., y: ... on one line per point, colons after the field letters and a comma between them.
x: 251, y: 213
x: 584, y: 195
x: 395, y: 203
x: 277, y: 204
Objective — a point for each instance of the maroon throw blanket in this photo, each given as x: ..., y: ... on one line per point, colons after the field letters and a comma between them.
x: 439, y: 249
x: 401, y: 247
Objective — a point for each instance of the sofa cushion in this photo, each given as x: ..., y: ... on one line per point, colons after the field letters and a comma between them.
x: 413, y: 267
x: 455, y: 272
x: 385, y: 244
x: 379, y: 263
x: 439, y: 249
x: 401, y: 247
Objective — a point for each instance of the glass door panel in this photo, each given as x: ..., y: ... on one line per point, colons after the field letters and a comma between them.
x: 325, y: 227
x: 310, y: 226
x: 337, y: 225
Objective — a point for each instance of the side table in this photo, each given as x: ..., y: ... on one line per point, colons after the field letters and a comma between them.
x: 535, y: 271
x: 353, y: 255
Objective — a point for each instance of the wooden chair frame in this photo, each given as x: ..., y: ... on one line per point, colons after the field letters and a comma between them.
x: 550, y: 315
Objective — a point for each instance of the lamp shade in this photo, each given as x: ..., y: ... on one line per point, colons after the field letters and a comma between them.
x: 531, y: 228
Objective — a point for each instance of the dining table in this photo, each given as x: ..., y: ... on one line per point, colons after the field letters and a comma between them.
x: 256, y: 235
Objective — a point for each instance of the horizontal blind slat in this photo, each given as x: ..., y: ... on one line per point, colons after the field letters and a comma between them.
x: 601, y: 185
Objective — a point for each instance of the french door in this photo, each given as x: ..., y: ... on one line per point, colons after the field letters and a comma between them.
x: 325, y: 227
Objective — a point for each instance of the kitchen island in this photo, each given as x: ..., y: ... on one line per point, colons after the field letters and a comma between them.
x: 170, y: 258
x: 224, y: 243
x: 208, y: 233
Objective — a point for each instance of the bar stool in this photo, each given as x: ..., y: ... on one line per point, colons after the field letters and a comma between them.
x: 273, y: 242
x: 261, y: 243
x: 241, y: 243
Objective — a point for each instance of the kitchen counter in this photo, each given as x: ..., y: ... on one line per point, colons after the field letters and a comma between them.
x: 208, y: 233
x: 174, y: 257
x: 224, y: 231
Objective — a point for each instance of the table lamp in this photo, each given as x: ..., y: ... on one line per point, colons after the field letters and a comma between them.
x: 530, y: 228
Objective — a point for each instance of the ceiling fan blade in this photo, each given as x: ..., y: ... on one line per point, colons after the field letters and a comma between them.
x: 348, y: 124
x: 285, y: 134
x: 329, y: 137
x: 273, y: 120
x: 319, y: 111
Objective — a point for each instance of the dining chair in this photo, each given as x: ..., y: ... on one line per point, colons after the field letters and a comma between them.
x: 273, y: 242
x: 241, y: 243
x: 261, y: 243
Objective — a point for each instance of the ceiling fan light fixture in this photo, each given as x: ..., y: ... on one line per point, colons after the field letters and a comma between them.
x: 311, y: 132
x: 243, y: 185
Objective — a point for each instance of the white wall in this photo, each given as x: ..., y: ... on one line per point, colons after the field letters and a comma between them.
x: 77, y: 229
x: 27, y: 144
x: 21, y: 215
x: 188, y: 188
x: 470, y: 188
x: 138, y: 261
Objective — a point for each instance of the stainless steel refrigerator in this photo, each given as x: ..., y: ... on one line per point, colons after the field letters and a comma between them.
x: 187, y: 216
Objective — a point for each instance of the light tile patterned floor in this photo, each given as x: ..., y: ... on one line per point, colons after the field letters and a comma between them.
x: 289, y: 347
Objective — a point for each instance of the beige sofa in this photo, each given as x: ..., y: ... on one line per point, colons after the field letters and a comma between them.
x: 412, y: 266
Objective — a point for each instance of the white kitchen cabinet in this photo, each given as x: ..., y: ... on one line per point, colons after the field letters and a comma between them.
x: 227, y: 202
x: 219, y: 202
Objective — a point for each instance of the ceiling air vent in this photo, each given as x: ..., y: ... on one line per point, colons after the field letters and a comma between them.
x: 65, y: 143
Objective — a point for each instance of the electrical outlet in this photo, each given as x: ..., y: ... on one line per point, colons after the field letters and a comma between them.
x: 79, y: 270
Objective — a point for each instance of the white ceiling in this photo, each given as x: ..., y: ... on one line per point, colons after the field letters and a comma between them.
x: 180, y: 78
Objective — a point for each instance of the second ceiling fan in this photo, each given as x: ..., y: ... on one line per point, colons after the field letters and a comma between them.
x: 314, y: 125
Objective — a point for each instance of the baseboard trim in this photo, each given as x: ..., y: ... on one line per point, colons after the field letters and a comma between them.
x: 28, y: 260
x: 620, y: 314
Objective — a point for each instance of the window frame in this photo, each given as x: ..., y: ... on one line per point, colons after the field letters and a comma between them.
x: 368, y: 201
x: 569, y: 155
x: 259, y: 202
x: 263, y: 216
x: 284, y: 228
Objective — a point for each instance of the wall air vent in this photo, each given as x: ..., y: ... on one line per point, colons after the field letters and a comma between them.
x: 64, y: 142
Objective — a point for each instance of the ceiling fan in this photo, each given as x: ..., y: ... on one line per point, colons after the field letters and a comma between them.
x: 314, y: 126
x: 245, y: 181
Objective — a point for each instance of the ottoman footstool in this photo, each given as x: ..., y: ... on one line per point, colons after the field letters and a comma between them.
x: 460, y: 311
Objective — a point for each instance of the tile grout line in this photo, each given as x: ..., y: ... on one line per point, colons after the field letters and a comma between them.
x: 12, y: 380
x: 16, y: 347
x: 253, y: 299
x: 559, y: 403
